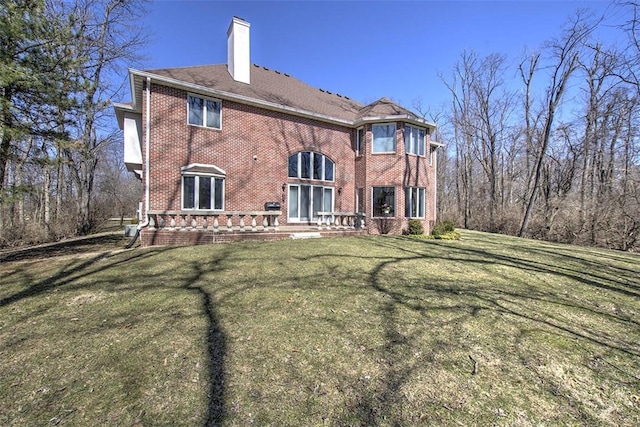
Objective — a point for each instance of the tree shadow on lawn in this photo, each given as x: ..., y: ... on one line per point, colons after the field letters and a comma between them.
x: 81, y: 270
x: 592, y: 277
x: 382, y: 403
x: 75, y: 246
x: 379, y: 405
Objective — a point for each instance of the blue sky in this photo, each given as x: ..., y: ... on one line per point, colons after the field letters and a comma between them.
x: 361, y: 49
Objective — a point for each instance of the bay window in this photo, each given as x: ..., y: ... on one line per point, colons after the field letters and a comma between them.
x: 384, y: 201
x: 202, y: 192
x: 414, y: 140
x: 384, y: 138
x: 359, y: 141
x: 414, y: 202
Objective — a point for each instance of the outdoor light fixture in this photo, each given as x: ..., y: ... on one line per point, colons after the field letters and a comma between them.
x: 284, y: 187
x: 339, y: 191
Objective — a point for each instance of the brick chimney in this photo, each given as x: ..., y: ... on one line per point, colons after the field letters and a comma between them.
x: 238, y: 61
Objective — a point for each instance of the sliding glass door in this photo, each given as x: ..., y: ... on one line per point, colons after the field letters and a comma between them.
x: 305, y: 201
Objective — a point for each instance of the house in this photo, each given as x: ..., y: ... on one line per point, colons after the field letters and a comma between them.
x: 236, y: 151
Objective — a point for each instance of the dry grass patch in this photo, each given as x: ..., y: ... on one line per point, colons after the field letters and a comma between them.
x: 349, y: 331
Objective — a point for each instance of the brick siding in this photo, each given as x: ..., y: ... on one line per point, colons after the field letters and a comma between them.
x: 253, y: 147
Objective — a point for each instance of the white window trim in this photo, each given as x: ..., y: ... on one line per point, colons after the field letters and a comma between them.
x: 310, y: 219
x: 359, y: 141
x: 424, y: 141
x: 395, y: 201
x: 202, y: 169
x: 204, y: 111
x: 424, y: 201
x: 395, y: 137
x: 311, y: 169
x: 196, y: 190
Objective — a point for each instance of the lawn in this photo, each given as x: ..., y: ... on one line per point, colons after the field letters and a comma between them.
x: 386, y: 330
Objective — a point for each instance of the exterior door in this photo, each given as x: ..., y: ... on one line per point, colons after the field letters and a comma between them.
x: 305, y: 201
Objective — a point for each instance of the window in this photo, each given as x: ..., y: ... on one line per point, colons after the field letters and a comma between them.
x: 384, y: 201
x: 202, y: 192
x: 310, y: 165
x: 414, y: 202
x: 384, y: 138
x: 414, y: 140
x: 305, y: 201
x: 360, y: 200
x: 204, y: 112
x: 359, y: 141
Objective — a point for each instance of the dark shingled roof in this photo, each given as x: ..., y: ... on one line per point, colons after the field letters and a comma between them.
x: 268, y: 85
x: 384, y: 107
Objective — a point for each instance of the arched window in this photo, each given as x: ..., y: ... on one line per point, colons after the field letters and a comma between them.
x: 311, y: 165
x: 307, y: 199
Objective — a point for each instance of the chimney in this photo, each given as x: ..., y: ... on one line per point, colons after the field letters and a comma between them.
x: 238, y: 61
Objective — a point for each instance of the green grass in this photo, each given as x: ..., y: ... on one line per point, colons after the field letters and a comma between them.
x: 384, y: 330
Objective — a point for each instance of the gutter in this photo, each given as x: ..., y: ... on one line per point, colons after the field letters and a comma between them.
x: 265, y: 104
x: 394, y: 118
x: 145, y: 223
x: 239, y: 98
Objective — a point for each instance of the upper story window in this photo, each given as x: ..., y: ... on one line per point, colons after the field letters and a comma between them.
x: 359, y: 141
x: 414, y: 140
x: 204, y: 112
x: 311, y: 165
x: 384, y: 138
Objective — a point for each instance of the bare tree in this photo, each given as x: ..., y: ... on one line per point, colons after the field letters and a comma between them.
x: 109, y: 38
x: 481, y: 109
x: 564, y: 54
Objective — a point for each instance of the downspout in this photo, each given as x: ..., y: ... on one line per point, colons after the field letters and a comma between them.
x: 145, y: 223
x: 435, y: 183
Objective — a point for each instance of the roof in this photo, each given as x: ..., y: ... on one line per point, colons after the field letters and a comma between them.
x: 274, y: 90
x: 268, y: 85
x: 384, y: 107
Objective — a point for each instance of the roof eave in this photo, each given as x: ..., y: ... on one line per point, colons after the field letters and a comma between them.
x: 395, y: 118
x: 135, y: 105
x: 240, y: 98
x: 120, y: 108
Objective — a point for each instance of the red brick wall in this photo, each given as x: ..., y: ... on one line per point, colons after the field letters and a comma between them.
x: 247, y: 131
x: 271, y: 137
x: 399, y: 170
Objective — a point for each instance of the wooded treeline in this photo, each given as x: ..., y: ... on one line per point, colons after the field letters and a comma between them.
x: 61, y: 63
x: 548, y: 145
x: 544, y: 146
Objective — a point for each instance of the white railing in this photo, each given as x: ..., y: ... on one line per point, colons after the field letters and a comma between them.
x: 340, y: 220
x: 211, y: 220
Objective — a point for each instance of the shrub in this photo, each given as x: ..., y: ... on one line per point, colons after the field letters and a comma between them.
x: 443, y: 228
x: 414, y: 228
x: 384, y: 225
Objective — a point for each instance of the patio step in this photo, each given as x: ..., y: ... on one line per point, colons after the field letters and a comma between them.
x: 306, y: 235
